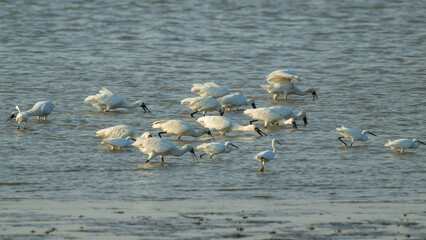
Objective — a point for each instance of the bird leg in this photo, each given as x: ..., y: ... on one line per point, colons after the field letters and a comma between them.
x: 192, y: 114
x: 38, y: 118
x: 252, y: 121
x: 263, y: 165
x: 340, y: 139
x: 159, y: 134
x: 211, y: 156
x: 202, y: 155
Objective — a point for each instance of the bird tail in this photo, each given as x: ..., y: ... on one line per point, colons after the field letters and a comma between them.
x: 267, y: 87
x: 157, y: 124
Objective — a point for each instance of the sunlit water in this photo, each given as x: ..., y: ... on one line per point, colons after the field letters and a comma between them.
x: 366, y: 57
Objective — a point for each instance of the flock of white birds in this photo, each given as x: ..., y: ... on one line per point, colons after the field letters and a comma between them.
x: 213, y: 97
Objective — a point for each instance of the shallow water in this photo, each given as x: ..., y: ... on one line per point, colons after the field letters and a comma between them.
x: 366, y: 57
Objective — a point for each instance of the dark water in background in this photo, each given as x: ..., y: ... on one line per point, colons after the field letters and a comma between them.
x: 366, y: 57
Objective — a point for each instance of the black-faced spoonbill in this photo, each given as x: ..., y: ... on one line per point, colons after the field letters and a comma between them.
x: 118, y: 131
x: 209, y: 89
x: 180, y: 128
x: 401, y: 144
x: 106, y: 100
x: 162, y: 147
x: 215, y: 148
x: 287, y: 113
x: 267, y: 155
x: 21, y: 117
x: 224, y: 125
x: 204, y: 104
x: 268, y: 116
x: 118, y: 143
x: 282, y: 82
x: 353, y: 135
x: 40, y: 109
x: 235, y: 100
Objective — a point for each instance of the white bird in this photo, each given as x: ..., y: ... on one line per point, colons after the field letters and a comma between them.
x: 268, y: 116
x: 180, y: 128
x: 106, y: 100
x: 235, y: 100
x: 287, y: 113
x: 161, y: 147
x: 118, y: 131
x: 353, y: 135
x: 224, y: 125
x: 401, y: 144
x: 118, y: 143
x: 209, y: 89
x: 215, y: 148
x: 40, y: 109
x: 267, y: 155
x: 204, y: 104
x: 22, y: 117
x: 283, y: 82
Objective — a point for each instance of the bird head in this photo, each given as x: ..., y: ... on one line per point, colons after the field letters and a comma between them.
x: 251, y: 102
x: 12, y: 116
x: 302, y: 115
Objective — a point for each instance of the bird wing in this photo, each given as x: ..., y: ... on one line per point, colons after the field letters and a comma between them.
x: 105, y: 90
x: 119, y: 142
x: 47, y: 107
x: 211, y: 147
x: 209, y: 89
x: 284, y: 111
x: 215, y: 122
x: 281, y: 77
x: 400, y: 143
x: 158, y: 145
x: 267, y: 155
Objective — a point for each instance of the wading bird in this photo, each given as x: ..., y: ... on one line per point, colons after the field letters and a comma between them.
x: 161, y: 147
x: 268, y: 116
x: 215, y: 148
x: 21, y: 117
x: 118, y: 143
x: 204, y: 104
x: 287, y: 113
x: 283, y: 82
x: 267, y: 155
x: 118, y: 131
x: 224, y: 125
x: 235, y: 100
x: 179, y: 128
x: 209, y: 89
x: 353, y: 135
x: 106, y: 100
x: 40, y: 109
x: 401, y: 144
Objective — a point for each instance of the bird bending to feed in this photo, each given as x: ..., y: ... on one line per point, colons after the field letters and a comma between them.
x: 118, y: 143
x: 40, y: 109
x: 215, y: 148
x: 353, y: 135
x: 106, y: 100
x: 204, y: 104
x: 267, y: 155
x: 287, y: 113
x: 180, y: 128
x: 401, y: 144
x: 268, y: 116
x: 235, y: 100
x: 209, y: 89
x: 283, y: 82
x: 21, y: 117
x: 161, y: 147
x: 118, y: 131
x: 224, y: 125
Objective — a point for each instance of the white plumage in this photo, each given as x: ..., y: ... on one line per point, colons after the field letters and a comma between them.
x: 40, y: 109
x: 268, y: 116
x: 106, y: 100
x: 22, y: 117
x: 353, y: 135
x: 283, y: 82
x: 179, y: 128
x: 267, y: 155
x: 161, y: 147
x: 287, y: 113
x: 401, y: 144
x: 235, y: 100
x: 224, y: 125
x: 204, y: 104
x: 118, y: 131
x: 209, y: 89
x: 215, y: 148
x: 118, y: 143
